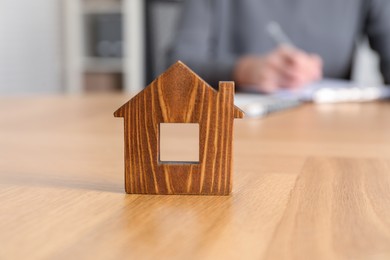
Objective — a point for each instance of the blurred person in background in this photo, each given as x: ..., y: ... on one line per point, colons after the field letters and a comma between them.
x: 228, y: 40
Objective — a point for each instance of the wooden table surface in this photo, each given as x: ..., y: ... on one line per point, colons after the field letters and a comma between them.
x: 309, y: 183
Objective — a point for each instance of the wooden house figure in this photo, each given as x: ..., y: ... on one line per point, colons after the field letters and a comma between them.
x: 179, y: 96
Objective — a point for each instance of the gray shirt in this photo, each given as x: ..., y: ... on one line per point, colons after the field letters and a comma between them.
x: 212, y: 34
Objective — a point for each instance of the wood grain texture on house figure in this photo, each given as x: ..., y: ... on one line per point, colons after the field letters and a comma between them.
x: 179, y: 96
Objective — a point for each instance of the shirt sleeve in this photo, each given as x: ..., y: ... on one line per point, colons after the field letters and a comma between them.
x: 378, y: 32
x: 194, y: 43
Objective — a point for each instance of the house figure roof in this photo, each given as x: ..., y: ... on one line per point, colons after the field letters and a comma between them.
x: 179, y: 73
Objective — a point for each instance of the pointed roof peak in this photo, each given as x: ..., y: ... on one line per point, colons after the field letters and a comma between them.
x: 179, y: 66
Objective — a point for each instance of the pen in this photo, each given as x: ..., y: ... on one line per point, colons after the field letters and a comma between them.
x: 277, y: 34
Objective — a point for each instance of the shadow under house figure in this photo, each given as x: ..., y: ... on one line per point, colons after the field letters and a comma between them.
x: 179, y: 96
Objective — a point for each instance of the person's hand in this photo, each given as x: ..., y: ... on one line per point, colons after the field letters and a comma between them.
x: 285, y: 67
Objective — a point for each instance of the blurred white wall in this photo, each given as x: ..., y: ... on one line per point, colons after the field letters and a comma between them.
x: 30, y: 50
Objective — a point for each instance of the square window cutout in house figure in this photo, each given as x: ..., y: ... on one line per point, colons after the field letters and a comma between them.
x: 179, y: 143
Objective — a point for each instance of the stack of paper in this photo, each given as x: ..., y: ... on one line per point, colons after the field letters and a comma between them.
x: 324, y: 91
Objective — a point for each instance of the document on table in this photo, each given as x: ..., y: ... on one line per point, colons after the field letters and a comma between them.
x: 258, y: 105
x: 336, y: 91
x: 324, y: 91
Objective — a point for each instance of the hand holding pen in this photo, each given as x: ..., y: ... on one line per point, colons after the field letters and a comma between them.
x: 284, y: 67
